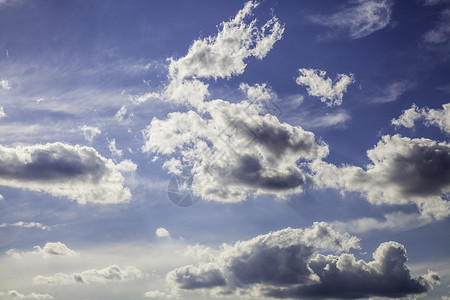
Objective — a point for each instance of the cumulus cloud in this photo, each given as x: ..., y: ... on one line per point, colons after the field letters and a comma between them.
x: 76, y: 172
x: 328, y: 91
x: 403, y: 171
x: 286, y: 264
x: 2, y: 112
x: 25, y: 224
x: 13, y: 294
x: 234, y: 150
x: 360, y: 19
x: 162, y: 232
x: 49, y: 250
x: 90, y: 132
x: 111, y: 273
x: 113, y: 149
x: 436, y: 117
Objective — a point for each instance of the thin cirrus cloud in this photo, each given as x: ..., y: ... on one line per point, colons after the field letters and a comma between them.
x: 329, y: 91
x: 22, y: 224
x: 287, y: 264
x: 111, y: 273
x: 76, y: 172
x: 392, y: 92
x: 359, y: 19
x: 431, y: 117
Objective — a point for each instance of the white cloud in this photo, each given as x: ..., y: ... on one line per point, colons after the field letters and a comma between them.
x: 392, y: 92
x: 113, y: 149
x: 4, y: 84
x: 317, y: 85
x: 25, y: 224
x: 403, y: 171
x: 49, y: 250
x: 2, y: 112
x: 76, y: 172
x: 111, y: 273
x: 286, y: 264
x: 162, y: 232
x: 138, y: 99
x: 156, y: 294
x: 121, y: 114
x: 90, y: 132
x: 439, y: 34
x: 361, y: 19
x: 13, y: 294
x: 436, y: 117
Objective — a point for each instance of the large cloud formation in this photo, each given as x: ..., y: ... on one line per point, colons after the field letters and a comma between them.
x: 403, y: 171
x: 285, y: 264
x: 76, y: 172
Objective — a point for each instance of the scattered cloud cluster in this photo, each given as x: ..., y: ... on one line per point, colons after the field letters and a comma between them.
x: 111, y: 273
x: 436, y: 117
x: 90, y: 132
x: 26, y: 225
x: 359, y: 19
x: 286, y: 264
x: 328, y: 91
x: 113, y: 149
x: 76, y: 172
x: 49, y: 250
x: 13, y: 294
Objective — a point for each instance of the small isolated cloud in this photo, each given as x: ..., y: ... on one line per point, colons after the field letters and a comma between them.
x: 2, y: 112
x: 76, y: 172
x: 436, y: 117
x: 111, y: 273
x: 113, y: 149
x: 158, y: 295
x: 329, y: 91
x: 25, y: 224
x: 13, y: 294
x: 90, y: 132
x: 49, y: 250
x: 392, y: 92
x: 403, y: 171
x: 359, y: 19
x: 121, y: 114
x: 438, y: 38
x: 4, y: 84
x: 162, y: 233
x: 286, y: 264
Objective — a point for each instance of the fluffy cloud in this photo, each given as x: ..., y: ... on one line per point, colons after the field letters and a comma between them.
x: 157, y: 295
x: 49, y: 250
x: 2, y: 112
x: 234, y: 150
x: 403, y: 171
x: 359, y: 20
x: 4, y: 84
x: 317, y: 85
x: 13, y: 294
x: 162, y: 232
x: 111, y: 273
x: 285, y: 264
x: 25, y: 224
x: 75, y: 172
x: 90, y: 132
x: 112, y: 147
x: 436, y: 117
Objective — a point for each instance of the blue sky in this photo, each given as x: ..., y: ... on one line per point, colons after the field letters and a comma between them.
x: 312, y: 135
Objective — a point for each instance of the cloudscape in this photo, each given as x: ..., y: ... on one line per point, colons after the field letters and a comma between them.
x: 224, y: 149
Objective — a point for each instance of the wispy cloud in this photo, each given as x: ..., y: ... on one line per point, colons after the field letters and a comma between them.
x: 25, y: 224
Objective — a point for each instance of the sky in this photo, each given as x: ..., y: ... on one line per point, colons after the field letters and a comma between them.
x: 224, y: 149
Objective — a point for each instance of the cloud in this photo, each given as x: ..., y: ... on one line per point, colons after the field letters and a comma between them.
x: 13, y: 294
x: 403, y: 171
x: 25, y: 224
x: 438, y: 38
x: 49, y: 250
x: 392, y: 92
x: 90, y: 132
x: 286, y: 264
x: 361, y: 19
x: 4, y: 84
x: 234, y: 150
x: 317, y: 85
x: 156, y: 294
x: 112, y: 148
x: 76, y: 172
x: 2, y: 112
x: 139, y: 99
x: 162, y: 232
x: 436, y: 117
x: 111, y: 273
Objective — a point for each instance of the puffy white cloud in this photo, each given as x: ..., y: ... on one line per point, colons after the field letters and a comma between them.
x: 361, y: 19
x: 317, y: 85
x: 76, y: 172
x: 162, y: 232
x: 234, y: 150
x: 286, y: 264
x: 156, y: 294
x: 112, y: 147
x: 49, y: 250
x: 403, y: 171
x: 4, y: 84
x: 25, y: 224
x: 90, y: 132
x: 13, y: 294
x: 111, y: 273
x: 437, y: 117
x: 2, y: 112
